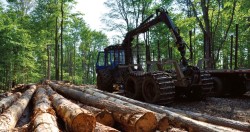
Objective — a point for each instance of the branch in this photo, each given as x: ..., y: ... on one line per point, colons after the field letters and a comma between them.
x: 218, y: 16
x: 197, y: 18
x: 225, y: 36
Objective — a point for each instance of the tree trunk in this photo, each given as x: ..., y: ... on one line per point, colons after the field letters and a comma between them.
x: 44, y: 118
x: 75, y: 118
x: 8, y: 101
x: 132, y: 119
x: 102, y: 128
x: 49, y: 61
x: 56, y: 51
x: 197, y: 116
x: 102, y: 116
x: 62, y: 39
x: 9, y: 118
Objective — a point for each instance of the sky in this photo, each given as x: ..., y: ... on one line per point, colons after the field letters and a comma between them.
x: 93, y: 11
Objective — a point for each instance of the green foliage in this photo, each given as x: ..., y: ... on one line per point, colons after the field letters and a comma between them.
x: 25, y: 33
x: 26, y: 28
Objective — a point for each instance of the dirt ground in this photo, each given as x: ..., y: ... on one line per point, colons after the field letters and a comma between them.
x: 227, y: 107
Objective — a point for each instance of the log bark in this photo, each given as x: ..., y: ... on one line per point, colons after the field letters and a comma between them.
x: 9, y: 117
x: 132, y: 119
x: 101, y: 115
x: 75, y: 118
x: 172, y: 118
x: 102, y: 128
x: 44, y: 117
x: 243, y: 126
x: 24, y: 128
x: 8, y: 101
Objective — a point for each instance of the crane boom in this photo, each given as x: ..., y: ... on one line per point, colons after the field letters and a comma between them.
x: 161, y: 16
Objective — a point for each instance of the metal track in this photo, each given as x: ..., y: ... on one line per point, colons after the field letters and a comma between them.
x: 158, y: 87
x: 207, y: 84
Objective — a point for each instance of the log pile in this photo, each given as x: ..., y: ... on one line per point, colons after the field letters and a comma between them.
x: 64, y: 107
x: 176, y: 118
x: 130, y: 119
x: 161, y: 109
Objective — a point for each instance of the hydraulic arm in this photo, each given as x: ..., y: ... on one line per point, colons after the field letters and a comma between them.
x: 161, y: 16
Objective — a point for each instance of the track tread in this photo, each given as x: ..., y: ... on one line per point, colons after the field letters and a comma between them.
x: 165, y: 88
x: 207, y: 84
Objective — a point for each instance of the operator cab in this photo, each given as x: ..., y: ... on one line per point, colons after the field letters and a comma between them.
x: 111, y: 57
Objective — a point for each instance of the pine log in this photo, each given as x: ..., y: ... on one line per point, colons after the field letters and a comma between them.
x: 75, y: 118
x: 102, y: 116
x: 9, y: 117
x: 130, y: 118
x: 44, y: 118
x: 172, y: 118
x: 243, y: 126
x: 8, y: 101
x: 102, y: 128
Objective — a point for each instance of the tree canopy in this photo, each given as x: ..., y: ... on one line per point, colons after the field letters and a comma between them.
x: 42, y: 39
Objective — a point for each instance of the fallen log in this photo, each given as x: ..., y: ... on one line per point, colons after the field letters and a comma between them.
x: 8, y: 101
x: 243, y: 126
x: 75, y: 118
x: 101, y: 115
x: 9, y: 117
x: 174, y: 119
x: 44, y: 118
x: 130, y: 118
x: 102, y: 128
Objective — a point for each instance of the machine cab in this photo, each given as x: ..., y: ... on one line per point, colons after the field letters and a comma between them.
x: 110, y: 58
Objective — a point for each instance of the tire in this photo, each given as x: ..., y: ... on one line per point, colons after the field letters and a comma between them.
x: 150, y: 90
x: 218, y: 89
x: 133, y: 87
x: 158, y: 88
x: 104, y: 80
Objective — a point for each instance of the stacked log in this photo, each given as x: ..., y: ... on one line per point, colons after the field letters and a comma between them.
x: 8, y: 101
x: 131, y: 119
x: 44, y: 118
x: 9, y: 117
x: 174, y: 119
x: 102, y: 128
x: 102, y: 116
x: 75, y: 118
x: 197, y: 116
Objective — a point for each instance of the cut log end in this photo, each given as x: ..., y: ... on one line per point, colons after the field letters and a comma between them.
x: 146, y: 123
x: 83, y: 123
x: 163, y: 124
x: 105, y: 118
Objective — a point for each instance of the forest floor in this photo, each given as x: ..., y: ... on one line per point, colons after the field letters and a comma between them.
x: 227, y: 107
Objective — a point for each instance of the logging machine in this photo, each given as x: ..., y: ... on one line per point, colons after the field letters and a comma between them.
x: 115, y: 65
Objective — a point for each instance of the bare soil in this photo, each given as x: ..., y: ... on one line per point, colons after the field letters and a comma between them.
x: 227, y: 107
